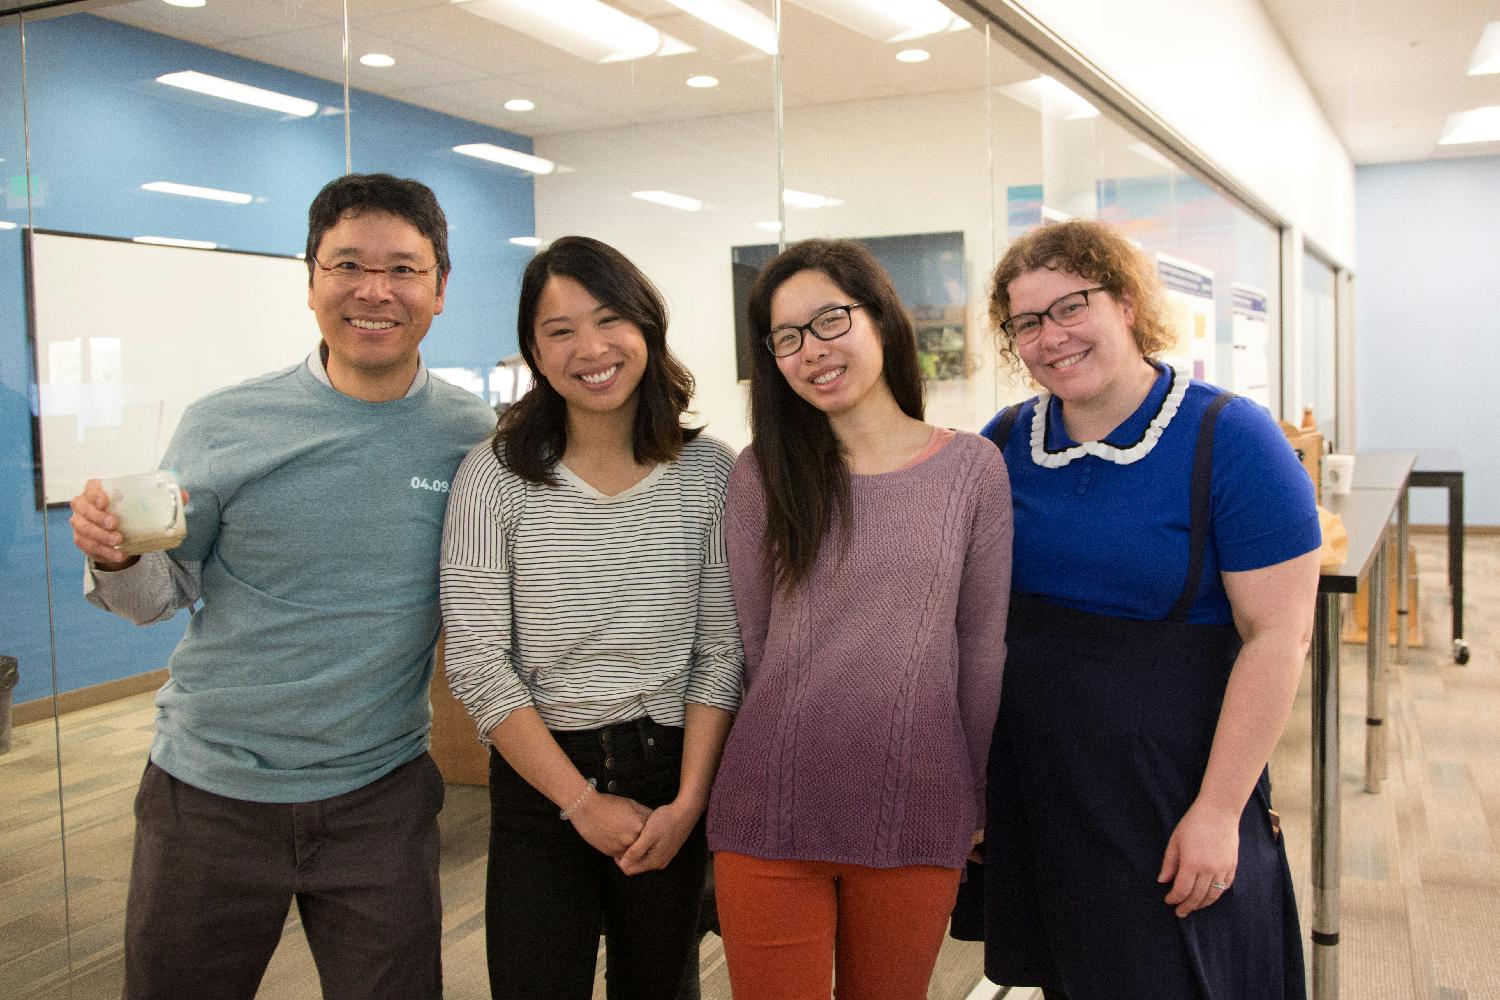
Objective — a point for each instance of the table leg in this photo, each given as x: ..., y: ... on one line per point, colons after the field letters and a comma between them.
x: 1325, y: 799
x: 1375, y: 664
x: 1456, y: 564
x: 1403, y: 598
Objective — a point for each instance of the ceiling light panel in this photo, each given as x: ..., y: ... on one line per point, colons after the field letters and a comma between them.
x: 888, y: 20
x: 229, y: 90
x: 508, y: 157
x: 1477, y: 125
x: 804, y: 199
x: 1486, y: 58
x: 585, y: 28
x: 379, y: 60
x: 1051, y: 98
x: 736, y: 18
x: 193, y: 191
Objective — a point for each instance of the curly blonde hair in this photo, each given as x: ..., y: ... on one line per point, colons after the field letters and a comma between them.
x: 1092, y: 250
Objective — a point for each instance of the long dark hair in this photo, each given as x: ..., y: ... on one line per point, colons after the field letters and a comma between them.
x: 802, y: 463
x: 533, y: 433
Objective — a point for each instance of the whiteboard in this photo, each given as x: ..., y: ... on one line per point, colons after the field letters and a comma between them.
x: 128, y: 334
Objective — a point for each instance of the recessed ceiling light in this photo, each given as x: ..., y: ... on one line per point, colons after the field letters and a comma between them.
x: 7, y: 225
x: 377, y: 59
x: 1477, y: 125
x: 526, y: 241
x: 229, y: 90
x: 913, y: 55
x: 1486, y: 58
x: 669, y: 199
x: 702, y: 82
x: 172, y: 241
x: 520, y: 104
x: 508, y: 157
x: 187, y: 3
x: 192, y: 191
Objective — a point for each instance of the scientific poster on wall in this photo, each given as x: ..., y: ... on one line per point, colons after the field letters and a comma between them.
x: 1190, y: 314
x: 1250, y: 373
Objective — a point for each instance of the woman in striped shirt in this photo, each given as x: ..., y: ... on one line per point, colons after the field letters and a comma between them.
x: 591, y: 635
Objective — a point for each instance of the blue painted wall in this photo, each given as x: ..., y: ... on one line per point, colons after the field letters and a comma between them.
x: 100, y: 128
x: 1427, y: 325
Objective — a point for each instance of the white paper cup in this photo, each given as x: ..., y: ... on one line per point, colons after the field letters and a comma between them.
x: 149, y: 506
x: 1338, y: 474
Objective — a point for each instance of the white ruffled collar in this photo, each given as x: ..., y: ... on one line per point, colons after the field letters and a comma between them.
x: 1102, y: 449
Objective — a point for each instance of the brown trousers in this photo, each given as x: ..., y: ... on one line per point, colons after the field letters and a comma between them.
x: 212, y: 880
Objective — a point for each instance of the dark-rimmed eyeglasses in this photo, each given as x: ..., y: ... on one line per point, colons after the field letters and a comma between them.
x: 352, y: 270
x: 1069, y: 310
x: 831, y: 323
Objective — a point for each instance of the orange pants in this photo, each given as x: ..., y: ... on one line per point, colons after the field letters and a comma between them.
x: 787, y: 923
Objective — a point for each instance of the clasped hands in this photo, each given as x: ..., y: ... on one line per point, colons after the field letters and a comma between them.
x: 640, y: 839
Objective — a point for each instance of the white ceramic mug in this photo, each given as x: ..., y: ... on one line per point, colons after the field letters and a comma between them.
x: 1338, y: 474
x: 149, y: 506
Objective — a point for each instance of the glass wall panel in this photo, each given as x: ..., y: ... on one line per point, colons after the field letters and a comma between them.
x: 1219, y: 264
x: 33, y: 903
x: 169, y: 206
x: 1316, y: 371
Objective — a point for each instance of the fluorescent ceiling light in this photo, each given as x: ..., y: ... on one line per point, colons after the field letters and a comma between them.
x: 771, y: 227
x: 191, y: 191
x: 526, y: 241
x: 7, y: 225
x: 1046, y: 95
x: 229, y: 90
x: 913, y: 55
x: 187, y: 3
x: 702, y: 82
x: 801, y: 199
x: 734, y: 17
x: 1486, y: 58
x: 669, y: 199
x: 585, y: 28
x: 508, y: 157
x: 172, y: 241
x: 1478, y: 125
x: 888, y: 20
x: 520, y: 104
x: 377, y: 59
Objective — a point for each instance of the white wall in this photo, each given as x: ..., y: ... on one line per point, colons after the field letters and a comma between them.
x: 1425, y: 303
x: 1218, y: 73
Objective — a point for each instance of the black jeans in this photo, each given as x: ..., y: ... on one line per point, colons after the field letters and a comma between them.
x: 549, y: 894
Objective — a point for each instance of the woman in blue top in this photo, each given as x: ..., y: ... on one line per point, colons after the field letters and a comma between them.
x: 1165, y: 572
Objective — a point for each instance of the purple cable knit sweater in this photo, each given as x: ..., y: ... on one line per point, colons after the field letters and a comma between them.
x: 872, y: 689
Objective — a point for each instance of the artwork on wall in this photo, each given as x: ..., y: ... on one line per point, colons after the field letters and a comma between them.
x: 928, y: 272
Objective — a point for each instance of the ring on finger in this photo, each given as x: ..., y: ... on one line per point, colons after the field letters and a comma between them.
x: 1221, y: 886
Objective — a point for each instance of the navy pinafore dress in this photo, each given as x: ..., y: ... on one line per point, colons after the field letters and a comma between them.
x: 1103, y: 737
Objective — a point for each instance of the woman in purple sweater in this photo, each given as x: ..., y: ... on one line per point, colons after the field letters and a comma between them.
x: 870, y: 556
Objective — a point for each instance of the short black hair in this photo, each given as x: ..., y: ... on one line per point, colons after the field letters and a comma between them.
x: 354, y: 194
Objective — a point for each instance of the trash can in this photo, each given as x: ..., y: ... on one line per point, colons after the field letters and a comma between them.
x: 10, y: 673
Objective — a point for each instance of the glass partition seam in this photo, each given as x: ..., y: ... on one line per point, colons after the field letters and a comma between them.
x: 62, y: 826
x: 348, y: 111
x: 779, y: 112
x: 1043, y: 44
x: 989, y: 152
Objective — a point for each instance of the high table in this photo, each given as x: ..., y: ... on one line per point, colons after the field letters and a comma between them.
x: 1366, y: 513
x: 1443, y: 470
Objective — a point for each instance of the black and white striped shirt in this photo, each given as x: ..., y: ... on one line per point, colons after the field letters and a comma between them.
x: 593, y: 609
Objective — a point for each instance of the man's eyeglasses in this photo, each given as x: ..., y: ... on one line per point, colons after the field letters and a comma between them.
x: 1070, y: 310
x: 353, y: 271
x: 784, y: 341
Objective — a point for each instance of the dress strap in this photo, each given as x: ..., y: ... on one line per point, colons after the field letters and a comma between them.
x: 1200, y: 511
x: 1000, y: 434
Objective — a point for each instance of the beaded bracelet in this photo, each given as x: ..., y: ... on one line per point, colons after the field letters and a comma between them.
x: 567, y: 813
